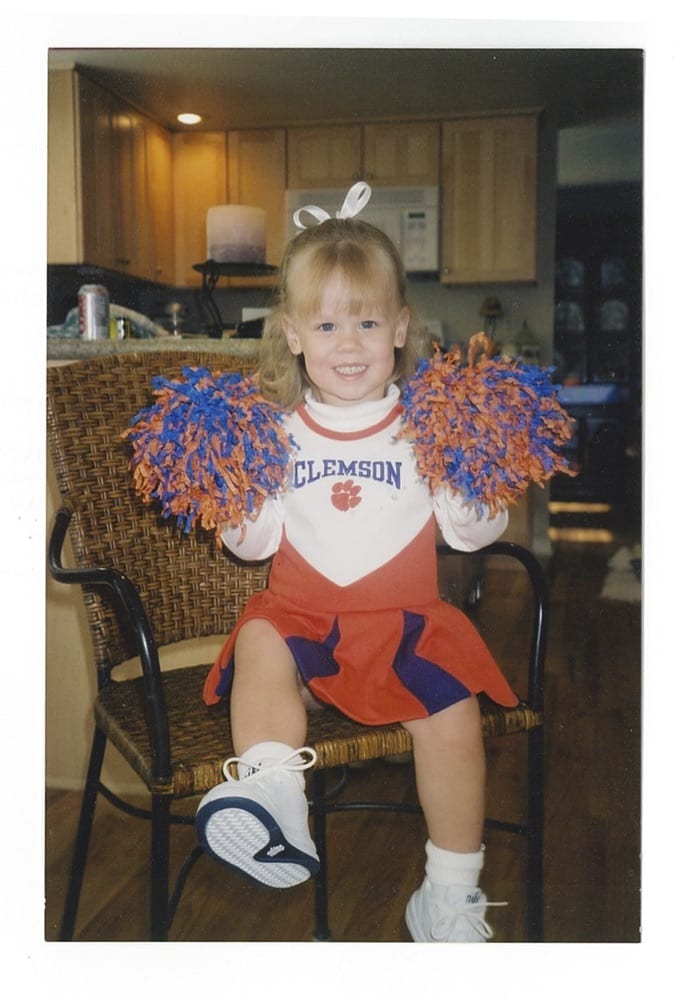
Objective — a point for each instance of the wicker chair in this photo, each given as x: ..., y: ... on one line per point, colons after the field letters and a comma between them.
x: 146, y: 586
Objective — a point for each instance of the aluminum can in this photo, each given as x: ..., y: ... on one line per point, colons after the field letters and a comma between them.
x: 93, y: 312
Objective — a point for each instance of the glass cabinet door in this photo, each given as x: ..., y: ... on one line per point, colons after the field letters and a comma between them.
x: 597, y: 303
x: 570, y: 321
x: 597, y: 336
x: 613, y: 332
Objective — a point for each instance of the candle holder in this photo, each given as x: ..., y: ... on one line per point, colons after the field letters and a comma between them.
x: 211, y: 271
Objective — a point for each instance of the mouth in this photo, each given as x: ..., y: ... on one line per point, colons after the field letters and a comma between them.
x: 350, y: 370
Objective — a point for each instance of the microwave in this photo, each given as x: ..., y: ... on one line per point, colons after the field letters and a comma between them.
x: 408, y: 215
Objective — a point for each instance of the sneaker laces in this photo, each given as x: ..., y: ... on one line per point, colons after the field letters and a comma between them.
x: 296, y: 762
x: 472, y: 911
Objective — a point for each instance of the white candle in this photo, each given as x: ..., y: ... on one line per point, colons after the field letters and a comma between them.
x: 236, y: 234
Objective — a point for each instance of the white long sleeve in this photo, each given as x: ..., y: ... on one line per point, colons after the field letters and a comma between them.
x: 462, y: 527
x: 257, y: 539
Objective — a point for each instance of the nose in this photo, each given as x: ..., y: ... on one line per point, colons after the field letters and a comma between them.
x: 348, y: 338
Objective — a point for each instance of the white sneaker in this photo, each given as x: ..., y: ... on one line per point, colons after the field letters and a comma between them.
x: 258, y: 824
x: 438, y: 914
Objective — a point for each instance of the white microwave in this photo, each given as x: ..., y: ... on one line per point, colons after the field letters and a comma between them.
x: 409, y: 215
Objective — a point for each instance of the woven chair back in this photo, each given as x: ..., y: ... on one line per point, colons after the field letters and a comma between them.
x: 190, y: 587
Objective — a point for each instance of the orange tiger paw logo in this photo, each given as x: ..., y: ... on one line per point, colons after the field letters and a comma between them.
x: 346, y: 495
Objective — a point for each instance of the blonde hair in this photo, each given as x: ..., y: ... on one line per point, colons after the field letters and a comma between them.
x: 369, y: 262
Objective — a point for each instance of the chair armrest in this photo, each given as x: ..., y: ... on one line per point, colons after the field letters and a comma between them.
x: 540, y: 592
x: 132, y: 606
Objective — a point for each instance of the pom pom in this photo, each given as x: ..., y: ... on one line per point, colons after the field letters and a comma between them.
x: 210, y: 449
x: 486, y: 429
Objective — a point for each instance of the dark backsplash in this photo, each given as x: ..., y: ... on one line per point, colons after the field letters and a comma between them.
x: 63, y: 282
x: 146, y: 297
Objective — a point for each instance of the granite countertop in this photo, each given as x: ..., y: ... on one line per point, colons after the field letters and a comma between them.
x: 74, y: 349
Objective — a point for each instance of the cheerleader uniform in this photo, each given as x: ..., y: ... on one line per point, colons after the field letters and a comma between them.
x: 353, y: 586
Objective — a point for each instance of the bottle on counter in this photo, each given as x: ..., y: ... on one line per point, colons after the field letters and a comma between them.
x: 119, y: 328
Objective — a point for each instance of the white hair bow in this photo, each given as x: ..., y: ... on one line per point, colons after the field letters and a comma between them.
x: 356, y: 199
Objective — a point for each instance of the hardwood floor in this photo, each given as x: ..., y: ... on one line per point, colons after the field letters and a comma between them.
x: 592, y: 872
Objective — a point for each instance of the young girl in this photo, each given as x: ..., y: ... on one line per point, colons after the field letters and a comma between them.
x: 352, y: 616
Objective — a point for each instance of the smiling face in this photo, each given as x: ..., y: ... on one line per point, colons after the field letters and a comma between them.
x: 347, y: 335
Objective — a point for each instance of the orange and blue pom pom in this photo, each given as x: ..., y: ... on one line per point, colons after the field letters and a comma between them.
x: 209, y: 450
x: 487, y: 429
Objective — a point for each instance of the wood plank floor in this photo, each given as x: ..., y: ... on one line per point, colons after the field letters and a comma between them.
x: 592, y: 871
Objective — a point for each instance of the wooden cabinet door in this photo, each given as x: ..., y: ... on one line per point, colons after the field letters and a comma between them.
x: 398, y: 155
x: 257, y: 177
x: 324, y: 156
x: 489, y: 200
x: 128, y: 171
x: 110, y: 181
x: 96, y: 200
x: 159, y: 200
x: 199, y: 182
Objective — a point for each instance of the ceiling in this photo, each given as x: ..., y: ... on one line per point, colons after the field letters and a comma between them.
x: 268, y: 87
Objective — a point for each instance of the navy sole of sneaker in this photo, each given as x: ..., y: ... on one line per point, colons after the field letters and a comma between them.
x: 241, y: 834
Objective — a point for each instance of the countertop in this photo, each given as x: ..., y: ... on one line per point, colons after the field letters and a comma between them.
x: 74, y: 349
x: 592, y: 394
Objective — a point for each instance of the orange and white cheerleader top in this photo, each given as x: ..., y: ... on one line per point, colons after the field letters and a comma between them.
x: 353, y: 585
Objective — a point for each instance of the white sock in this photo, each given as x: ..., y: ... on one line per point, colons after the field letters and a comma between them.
x: 450, y: 869
x: 261, y: 753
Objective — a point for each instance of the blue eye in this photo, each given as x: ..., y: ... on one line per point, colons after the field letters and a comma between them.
x: 368, y: 324
x: 326, y: 327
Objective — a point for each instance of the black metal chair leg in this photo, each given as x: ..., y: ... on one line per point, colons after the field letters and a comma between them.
x: 535, y: 825
x: 80, y: 849
x: 321, y: 930
x: 160, y: 867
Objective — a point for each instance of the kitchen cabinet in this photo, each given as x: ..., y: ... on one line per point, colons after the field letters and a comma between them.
x: 256, y: 163
x: 94, y: 112
x: 598, y: 337
x: 324, y: 156
x: 199, y: 182
x: 597, y: 312
x: 128, y: 191
x: 79, y: 227
x: 126, y: 195
x: 397, y: 155
x: 107, y: 200
x: 388, y: 155
x: 159, y: 184
x: 113, y: 180
x: 489, y: 200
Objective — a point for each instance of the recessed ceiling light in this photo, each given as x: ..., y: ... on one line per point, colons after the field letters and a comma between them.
x: 189, y: 119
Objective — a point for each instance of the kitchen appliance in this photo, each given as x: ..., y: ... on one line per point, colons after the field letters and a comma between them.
x: 408, y: 215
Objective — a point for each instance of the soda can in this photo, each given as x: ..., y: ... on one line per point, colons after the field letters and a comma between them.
x: 93, y: 312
